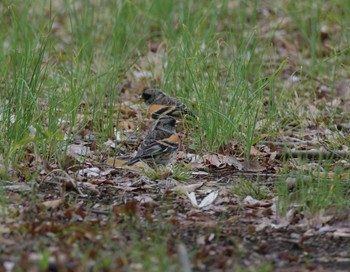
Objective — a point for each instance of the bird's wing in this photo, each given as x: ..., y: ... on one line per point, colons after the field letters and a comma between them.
x: 156, y: 148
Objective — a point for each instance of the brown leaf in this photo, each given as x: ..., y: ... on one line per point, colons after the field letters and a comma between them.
x: 253, y: 151
x: 80, y: 211
x: 118, y: 163
x: 75, y: 150
x: 342, y: 232
x: 53, y: 204
x: 7, y: 242
x: 342, y: 89
x: 253, y: 166
x: 251, y: 202
x: 346, y: 106
x: 217, y: 160
x: 232, y: 161
x: 273, y: 156
x: 126, y: 125
x: 212, y: 160
x: 90, y: 172
x: 144, y: 199
x: 131, y: 207
x: 127, y: 111
x: 188, y: 188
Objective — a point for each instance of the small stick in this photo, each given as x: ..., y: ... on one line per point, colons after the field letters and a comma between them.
x: 313, y: 154
x: 343, y: 126
x: 98, y: 212
x: 184, y: 259
x: 254, y: 174
x: 287, y: 143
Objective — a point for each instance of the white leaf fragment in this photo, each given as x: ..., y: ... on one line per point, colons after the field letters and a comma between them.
x: 90, y: 172
x: 192, y: 197
x: 209, y: 199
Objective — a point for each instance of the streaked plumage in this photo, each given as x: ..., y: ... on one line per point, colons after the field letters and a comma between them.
x: 160, y: 104
x: 160, y: 143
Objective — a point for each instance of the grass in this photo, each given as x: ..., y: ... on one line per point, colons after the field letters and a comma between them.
x: 180, y: 172
x: 245, y: 188
x: 66, y: 67
x: 220, y: 74
x: 86, y: 75
x: 314, y: 189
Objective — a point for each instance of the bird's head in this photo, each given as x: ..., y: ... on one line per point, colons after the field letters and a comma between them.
x: 165, y: 123
x: 150, y: 95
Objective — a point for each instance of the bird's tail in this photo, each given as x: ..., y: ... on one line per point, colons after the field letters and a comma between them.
x: 132, y: 161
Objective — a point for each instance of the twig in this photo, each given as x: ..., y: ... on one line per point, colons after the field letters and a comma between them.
x: 99, y: 212
x: 244, y: 174
x: 254, y: 174
x: 66, y: 179
x: 290, y: 143
x: 343, y: 126
x: 313, y: 154
x: 183, y: 256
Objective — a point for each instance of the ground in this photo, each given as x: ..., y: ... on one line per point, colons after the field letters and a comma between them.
x: 261, y: 179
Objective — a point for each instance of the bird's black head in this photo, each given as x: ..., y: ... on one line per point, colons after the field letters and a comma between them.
x: 150, y: 95
x: 166, y: 123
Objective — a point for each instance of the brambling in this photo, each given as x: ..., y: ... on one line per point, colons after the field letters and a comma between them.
x: 160, y: 143
x: 161, y: 104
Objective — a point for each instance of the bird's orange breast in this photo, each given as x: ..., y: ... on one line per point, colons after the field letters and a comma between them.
x: 154, y: 108
x: 174, y: 138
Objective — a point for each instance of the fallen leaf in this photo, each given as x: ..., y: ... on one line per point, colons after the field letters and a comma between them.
x: 78, y: 150
x: 89, y: 186
x: 142, y: 74
x: 128, y: 137
x: 217, y: 160
x: 53, y: 204
x: 253, y: 166
x: 144, y: 199
x: 109, y: 171
x: 116, y: 162
x: 212, y: 160
x: 127, y: 111
x: 251, y: 202
x: 342, y: 232
x: 7, y: 242
x: 193, y: 199
x: 126, y: 125
x: 90, y: 172
x: 342, y: 88
x: 232, y: 161
x: 254, y: 151
x: 209, y: 199
x: 110, y: 143
x: 199, y: 173
x: 18, y: 187
x: 126, y: 188
x: 188, y: 188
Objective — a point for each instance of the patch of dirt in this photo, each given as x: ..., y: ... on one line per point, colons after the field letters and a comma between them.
x: 230, y: 233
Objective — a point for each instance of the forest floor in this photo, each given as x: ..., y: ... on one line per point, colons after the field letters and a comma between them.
x: 261, y: 179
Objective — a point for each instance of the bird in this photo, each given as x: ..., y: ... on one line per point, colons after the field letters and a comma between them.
x: 160, y: 143
x: 160, y: 104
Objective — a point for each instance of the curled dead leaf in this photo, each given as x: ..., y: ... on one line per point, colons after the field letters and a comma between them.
x: 216, y: 160
x: 90, y: 172
x: 187, y: 188
x: 253, y: 166
x: 127, y: 111
x: 75, y: 150
x: 251, y: 202
x: 209, y: 199
x: 53, y: 204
